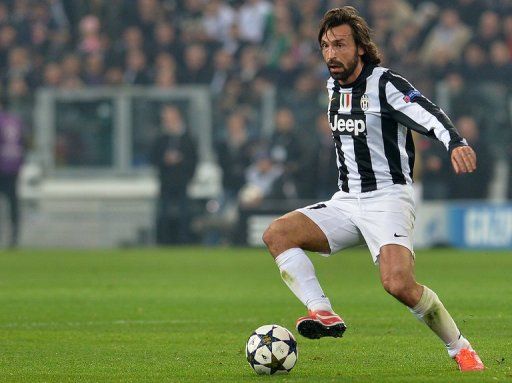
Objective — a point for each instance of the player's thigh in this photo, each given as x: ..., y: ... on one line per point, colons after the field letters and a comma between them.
x: 387, y: 220
x: 333, y: 219
x: 295, y: 229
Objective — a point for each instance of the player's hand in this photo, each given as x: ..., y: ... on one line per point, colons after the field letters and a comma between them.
x: 463, y: 159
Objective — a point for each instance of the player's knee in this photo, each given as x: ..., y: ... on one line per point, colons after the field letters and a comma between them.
x: 275, y: 233
x: 395, y: 286
x: 272, y: 233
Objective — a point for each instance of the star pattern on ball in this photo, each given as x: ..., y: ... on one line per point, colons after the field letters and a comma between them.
x: 271, y: 349
x: 276, y: 364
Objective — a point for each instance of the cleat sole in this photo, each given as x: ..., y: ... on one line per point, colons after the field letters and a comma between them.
x: 314, y: 330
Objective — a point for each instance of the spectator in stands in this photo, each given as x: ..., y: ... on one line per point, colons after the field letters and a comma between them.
x: 489, y: 29
x: 227, y: 102
x: 389, y: 15
x: 301, y: 102
x: 190, y: 21
x: 94, y: 69
x: 114, y: 76
x: 501, y: 64
x: 165, y: 40
x: 11, y: 159
x: 20, y: 98
x: 164, y: 69
x: 174, y: 154
x: 131, y: 40
x: 136, y: 72
x: 401, y: 55
x: 473, y: 185
x: 224, y: 68
x: 281, y: 33
x: 52, y: 75
x: 40, y: 39
x: 435, y: 170
x: 474, y: 63
x: 90, y: 39
x: 71, y: 71
x: 447, y: 38
x: 165, y: 79
x: 322, y: 165
x: 149, y: 12
x: 218, y: 20
x: 458, y: 101
x: 253, y: 18
x: 196, y: 68
x: 285, y: 149
x: 310, y: 11
x: 285, y: 73
x: 251, y: 63
x: 234, y: 155
x: 8, y: 36
x: 263, y: 181
x: 305, y: 46
x: 19, y: 64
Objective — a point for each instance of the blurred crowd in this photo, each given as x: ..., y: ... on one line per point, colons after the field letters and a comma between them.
x: 458, y: 53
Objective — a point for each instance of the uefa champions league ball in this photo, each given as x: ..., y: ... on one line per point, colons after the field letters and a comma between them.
x: 271, y: 349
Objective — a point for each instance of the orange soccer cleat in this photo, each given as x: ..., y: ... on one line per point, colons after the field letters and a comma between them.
x: 468, y: 360
x: 321, y: 323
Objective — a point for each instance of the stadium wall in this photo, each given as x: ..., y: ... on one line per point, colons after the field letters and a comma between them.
x: 112, y: 213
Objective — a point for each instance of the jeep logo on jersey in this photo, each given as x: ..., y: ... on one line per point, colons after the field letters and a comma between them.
x: 346, y: 125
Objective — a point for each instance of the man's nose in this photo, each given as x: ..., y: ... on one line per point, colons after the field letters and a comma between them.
x: 329, y: 52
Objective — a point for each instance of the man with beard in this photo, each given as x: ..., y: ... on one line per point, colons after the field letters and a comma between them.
x: 371, y: 112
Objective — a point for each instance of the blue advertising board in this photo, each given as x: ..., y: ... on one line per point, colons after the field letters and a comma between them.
x: 480, y: 226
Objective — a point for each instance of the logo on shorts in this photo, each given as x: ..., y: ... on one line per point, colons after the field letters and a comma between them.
x: 317, y: 206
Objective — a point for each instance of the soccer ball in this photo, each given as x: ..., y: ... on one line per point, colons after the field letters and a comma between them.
x: 271, y: 349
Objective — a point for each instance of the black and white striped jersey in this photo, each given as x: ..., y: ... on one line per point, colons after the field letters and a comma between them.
x: 371, y: 121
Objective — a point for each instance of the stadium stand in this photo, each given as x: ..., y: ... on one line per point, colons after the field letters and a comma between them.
x: 459, y: 53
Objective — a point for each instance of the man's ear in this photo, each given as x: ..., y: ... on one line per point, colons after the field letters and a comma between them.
x: 360, y: 51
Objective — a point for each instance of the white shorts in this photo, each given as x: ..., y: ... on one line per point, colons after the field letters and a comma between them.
x: 380, y: 217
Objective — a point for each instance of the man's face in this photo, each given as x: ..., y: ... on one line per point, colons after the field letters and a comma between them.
x: 342, y: 56
x: 171, y: 119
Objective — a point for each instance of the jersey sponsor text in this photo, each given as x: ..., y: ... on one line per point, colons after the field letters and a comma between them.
x: 347, y: 125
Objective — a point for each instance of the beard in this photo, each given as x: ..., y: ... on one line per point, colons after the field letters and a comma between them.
x: 347, y: 70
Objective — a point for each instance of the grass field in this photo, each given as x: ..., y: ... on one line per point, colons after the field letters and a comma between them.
x: 184, y: 314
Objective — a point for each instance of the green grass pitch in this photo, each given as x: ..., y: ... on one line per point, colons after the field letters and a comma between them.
x: 184, y: 315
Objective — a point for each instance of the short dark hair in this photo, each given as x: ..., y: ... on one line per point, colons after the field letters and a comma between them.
x: 360, y: 29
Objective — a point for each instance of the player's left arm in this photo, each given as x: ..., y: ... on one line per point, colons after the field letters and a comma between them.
x: 413, y: 110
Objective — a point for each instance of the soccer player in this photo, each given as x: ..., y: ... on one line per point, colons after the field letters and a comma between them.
x: 371, y: 111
